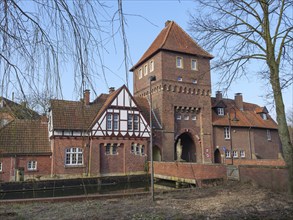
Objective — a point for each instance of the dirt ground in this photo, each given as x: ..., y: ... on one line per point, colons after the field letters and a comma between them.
x: 230, y: 201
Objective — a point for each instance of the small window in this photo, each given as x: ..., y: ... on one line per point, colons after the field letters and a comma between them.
x: 0, y: 166
x: 140, y: 73
x: 178, y: 117
x: 135, y: 122
x: 116, y: 121
x: 179, y: 62
x: 108, y: 149
x: 242, y: 153
x: 32, y: 165
x: 227, y: 154
x: 264, y: 116
x: 220, y: 111
x: 132, y: 148
x: 152, y: 66
x: 269, y: 137
x: 226, y: 132
x: 194, y: 81
x: 179, y: 78
x: 109, y: 121
x: 193, y: 117
x: 235, y: 154
x: 114, y: 149
x: 137, y: 150
x: 142, y: 150
x: 186, y: 117
x: 145, y: 69
x: 193, y: 64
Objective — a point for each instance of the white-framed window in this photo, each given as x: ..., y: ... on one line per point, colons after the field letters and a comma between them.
x: 264, y: 116
x: 133, y: 122
x: 132, y: 148
x: 73, y: 156
x: 193, y: 117
x: 178, y: 117
x: 152, y: 66
x: 179, y: 78
x: 235, y: 154
x: 145, y: 69
x: 32, y: 165
x: 179, y: 62
x: 194, y: 81
x: 226, y: 132
x: 186, y: 117
x: 193, y: 64
x: 140, y: 73
x: 111, y: 149
x: 227, y: 154
x: 112, y: 121
x: 269, y: 137
x: 1, y: 166
x: 242, y: 153
x: 220, y: 111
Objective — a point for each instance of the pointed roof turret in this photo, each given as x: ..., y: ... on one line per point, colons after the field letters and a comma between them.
x: 173, y: 38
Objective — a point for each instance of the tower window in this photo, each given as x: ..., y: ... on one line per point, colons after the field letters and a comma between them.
x: 269, y: 137
x: 194, y: 64
x: 152, y: 66
x: 179, y: 78
x: 140, y: 73
x: 194, y: 81
x: 145, y: 69
x: 179, y: 62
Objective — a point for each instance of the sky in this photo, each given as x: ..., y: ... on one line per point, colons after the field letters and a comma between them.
x: 144, y: 21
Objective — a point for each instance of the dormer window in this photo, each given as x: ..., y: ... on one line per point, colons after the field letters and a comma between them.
x: 220, y: 111
x: 264, y: 116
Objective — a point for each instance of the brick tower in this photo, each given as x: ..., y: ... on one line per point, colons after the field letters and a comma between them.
x: 180, y: 95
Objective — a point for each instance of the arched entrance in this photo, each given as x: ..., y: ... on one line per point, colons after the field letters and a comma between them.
x: 217, y: 156
x: 156, y: 153
x: 188, y: 148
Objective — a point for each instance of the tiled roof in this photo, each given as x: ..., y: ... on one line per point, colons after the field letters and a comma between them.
x: 75, y: 115
x: 249, y: 117
x: 173, y: 38
x: 25, y: 137
x: 18, y: 111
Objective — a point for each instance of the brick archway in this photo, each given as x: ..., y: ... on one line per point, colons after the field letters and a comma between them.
x: 188, y: 147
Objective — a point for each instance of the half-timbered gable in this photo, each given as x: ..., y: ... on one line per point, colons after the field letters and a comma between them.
x: 120, y: 116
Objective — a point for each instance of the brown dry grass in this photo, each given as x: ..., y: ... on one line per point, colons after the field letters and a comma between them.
x: 231, y: 201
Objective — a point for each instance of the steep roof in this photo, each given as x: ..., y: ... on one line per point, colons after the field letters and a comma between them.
x: 25, y: 137
x: 16, y: 110
x: 248, y: 117
x: 173, y: 38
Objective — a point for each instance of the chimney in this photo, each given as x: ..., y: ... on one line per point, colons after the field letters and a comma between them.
x: 111, y: 90
x: 239, y: 101
x: 219, y: 96
x: 86, y: 97
x: 167, y: 23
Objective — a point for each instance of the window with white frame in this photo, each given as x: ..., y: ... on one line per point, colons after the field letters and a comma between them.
x: 1, y: 166
x: 112, y: 121
x: 133, y: 122
x: 193, y: 117
x: 140, y: 73
x: 73, y: 156
x: 178, y: 116
x: 179, y: 78
x: 235, y: 154
x: 264, y: 116
x: 227, y: 154
x: 242, y: 153
x: 152, y: 66
x: 32, y: 165
x: 269, y: 137
x: 193, y: 64
x: 132, y: 148
x: 226, y: 132
x: 194, y: 81
x: 220, y: 111
x: 111, y: 149
x: 179, y: 62
x: 145, y: 69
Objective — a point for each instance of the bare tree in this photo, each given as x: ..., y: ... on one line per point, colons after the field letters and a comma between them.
x: 245, y: 31
x: 39, y: 37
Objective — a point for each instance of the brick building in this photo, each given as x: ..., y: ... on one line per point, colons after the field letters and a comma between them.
x: 110, y: 135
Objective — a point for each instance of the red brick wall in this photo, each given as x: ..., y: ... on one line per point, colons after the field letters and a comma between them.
x: 9, y: 163
x: 190, y: 170
x: 263, y: 162
x: 275, y: 178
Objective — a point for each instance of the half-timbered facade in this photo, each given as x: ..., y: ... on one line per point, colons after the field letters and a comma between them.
x: 108, y: 136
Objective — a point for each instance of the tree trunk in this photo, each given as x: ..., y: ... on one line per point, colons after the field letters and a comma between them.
x: 282, y: 125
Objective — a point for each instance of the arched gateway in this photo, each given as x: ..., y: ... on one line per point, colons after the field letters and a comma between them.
x: 188, y: 148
